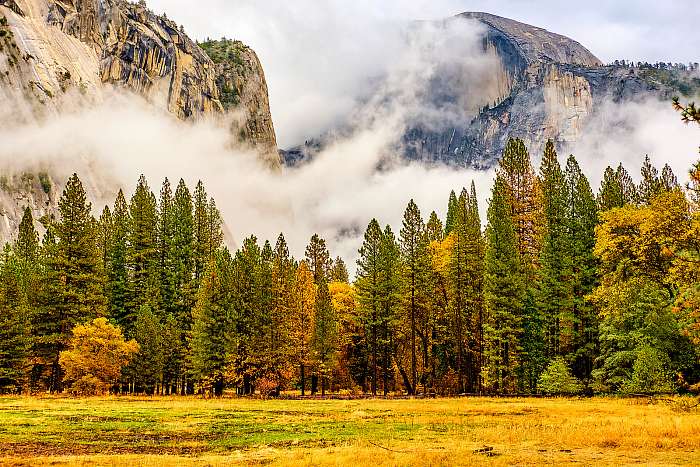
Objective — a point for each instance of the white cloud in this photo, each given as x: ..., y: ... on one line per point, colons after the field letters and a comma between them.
x: 319, y: 56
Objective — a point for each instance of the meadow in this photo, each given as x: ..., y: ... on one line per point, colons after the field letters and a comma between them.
x: 466, y: 431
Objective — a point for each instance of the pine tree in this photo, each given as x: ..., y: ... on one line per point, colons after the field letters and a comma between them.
x: 165, y: 233
x: 650, y: 184
x: 610, y: 193
x: 248, y: 315
x: 389, y: 300
x: 504, y: 294
x: 104, y: 245
x: 325, y: 335
x: 554, y: 285
x: 434, y: 228
x: 630, y: 195
x: 118, y: 273
x: 523, y: 196
x: 339, y: 272
x: 415, y: 272
x: 149, y: 363
x: 211, y: 322
x: 318, y: 259
x: 474, y: 300
x: 142, y: 255
x: 26, y: 250
x: 202, y: 231
x: 182, y: 263
x: 15, y: 328
x: 73, y: 288
x: 668, y: 180
x: 282, y: 307
x: 26, y: 247
x: 582, y: 217
x: 451, y: 211
x: 369, y: 289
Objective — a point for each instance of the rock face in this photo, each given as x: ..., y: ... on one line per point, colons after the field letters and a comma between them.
x: 545, y: 86
x: 55, y: 48
x: 554, y: 85
x: 38, y: 192
x: 241, y: 83
x: 56, y: 54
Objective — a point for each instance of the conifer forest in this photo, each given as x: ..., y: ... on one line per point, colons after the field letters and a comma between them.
x: 568, y: 289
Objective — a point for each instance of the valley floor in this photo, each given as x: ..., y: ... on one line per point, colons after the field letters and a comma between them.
x: 467, y: 431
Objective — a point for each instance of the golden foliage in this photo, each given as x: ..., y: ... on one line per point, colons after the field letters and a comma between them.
x: 96, y: 354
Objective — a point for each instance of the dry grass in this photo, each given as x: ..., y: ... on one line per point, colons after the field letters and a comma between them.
x: 474, y: 431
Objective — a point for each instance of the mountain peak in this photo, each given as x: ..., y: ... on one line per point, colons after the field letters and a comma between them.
x: 533, y: 44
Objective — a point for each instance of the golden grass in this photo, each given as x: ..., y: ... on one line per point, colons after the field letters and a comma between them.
x: 473, y: 431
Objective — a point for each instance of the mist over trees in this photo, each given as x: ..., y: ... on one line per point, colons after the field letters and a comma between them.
x: 565, y: 291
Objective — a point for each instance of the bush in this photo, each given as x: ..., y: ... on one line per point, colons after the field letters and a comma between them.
x: 650, y: 373
x: 96, y: 354
x: 558, y: 380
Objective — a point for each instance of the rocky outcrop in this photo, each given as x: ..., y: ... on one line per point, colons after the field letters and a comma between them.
x: 38, y: 192
x: 545, y: 86
x: 556, y: 86
x: 60, y: 54
x: 242, y: 87
x: 73, y: 47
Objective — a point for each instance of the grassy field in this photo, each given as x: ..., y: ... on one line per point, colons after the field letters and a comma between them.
x: 473, y: 431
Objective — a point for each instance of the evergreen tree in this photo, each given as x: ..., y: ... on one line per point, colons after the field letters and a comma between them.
x: 434, y: 228
x: 504, y: 294
x: 118, y: 281
x: 15, y: 328
x: 339, y: 272
x: 26, y: 247
x: 318, y: 259
x: 389, y: 300
x: 149, y: 363
x: 72, y: 283
x: 165, y: 234
x: 668, y: 180
x: 142, y: 255
x: 325, y: 335
x: 523, y: 196
x: 630, y: 195
x: 610, y: 193
x: 211, y: 322
x: 582, y: 217
x: 554, y: 292
x: 451, y: 212
x: 202, y: 231
x: 369, y: 289
x: 415, y: 272
x: 650, y: 184
x: 181, y: 261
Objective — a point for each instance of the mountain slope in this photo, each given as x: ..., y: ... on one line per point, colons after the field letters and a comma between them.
x: 545, y: 86
x: 60, y: 51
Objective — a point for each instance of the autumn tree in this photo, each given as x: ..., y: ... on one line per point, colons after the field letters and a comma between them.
x: 301, y: 321
x: 95, y: 356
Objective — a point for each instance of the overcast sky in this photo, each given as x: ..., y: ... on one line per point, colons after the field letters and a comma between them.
x: 318, y: 54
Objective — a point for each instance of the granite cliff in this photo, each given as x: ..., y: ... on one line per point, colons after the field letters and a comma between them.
x: 56, y: 49
x: 545, y: 86
x: 57, y: 55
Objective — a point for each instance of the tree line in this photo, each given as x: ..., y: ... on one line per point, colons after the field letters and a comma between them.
x: 564, y: 291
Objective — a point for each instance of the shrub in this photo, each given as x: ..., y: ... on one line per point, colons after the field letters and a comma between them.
x: 650, y: 373
x: 96, y: 354
x: 558, y: 380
